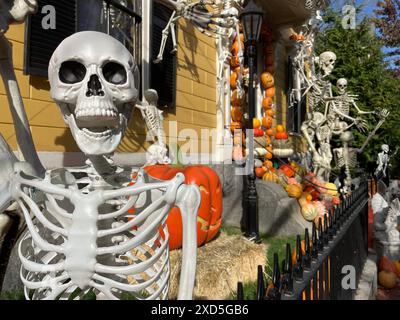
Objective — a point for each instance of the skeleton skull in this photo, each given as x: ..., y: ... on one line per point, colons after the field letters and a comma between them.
x: 385, y: 148
x: 341, y: 85
x: 327, y: 62
x: 12, y: 11
x: 94, y: 81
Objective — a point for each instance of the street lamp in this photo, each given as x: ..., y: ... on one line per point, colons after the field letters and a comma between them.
x: 251, y: 18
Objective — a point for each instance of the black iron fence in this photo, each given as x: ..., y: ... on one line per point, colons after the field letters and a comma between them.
x: 336, y: 247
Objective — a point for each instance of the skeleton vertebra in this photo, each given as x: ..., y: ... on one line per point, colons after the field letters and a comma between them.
x: 90, y: 228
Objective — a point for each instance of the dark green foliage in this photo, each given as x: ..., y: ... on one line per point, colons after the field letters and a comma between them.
x: 361, y: 61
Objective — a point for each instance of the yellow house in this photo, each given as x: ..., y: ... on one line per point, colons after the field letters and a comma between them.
x: 195, y: 99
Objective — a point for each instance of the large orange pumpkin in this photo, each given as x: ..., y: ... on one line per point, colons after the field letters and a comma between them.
x: 210, y: 210
x: 267, y: 122
x: 235, y: 62
x: 267, y: 80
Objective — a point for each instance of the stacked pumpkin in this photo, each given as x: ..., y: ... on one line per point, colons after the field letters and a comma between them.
x: 237, y: 102
x: 267, y: 82
x: 281, y: 144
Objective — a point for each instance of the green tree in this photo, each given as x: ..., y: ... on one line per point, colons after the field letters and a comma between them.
x: 361, y: 61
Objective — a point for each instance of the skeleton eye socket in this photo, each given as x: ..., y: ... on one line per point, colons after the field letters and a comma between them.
x: 114, y: 73
x: 72, y: 72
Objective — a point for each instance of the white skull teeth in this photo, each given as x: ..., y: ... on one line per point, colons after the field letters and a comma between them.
x: 96, y: 112
x: 97, y: 135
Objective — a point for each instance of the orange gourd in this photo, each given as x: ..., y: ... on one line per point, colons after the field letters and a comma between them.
x: 235, y: 62
x: 235, y: 47
x: 271, y: 177
x: 267, y: 103
x: 294, y: 191
x: 267, y: 122
x: 260, y: 172
x: 281, y: 136
x: 236, y: 114
x: 269, y: 132
x: 270, y: 112
x: 387, y: 279
x: 280, y: 128
x: 235, y: 100
x: 267, y: 80
x: 268, y: 164
x: 256, y: 123
x: 233, y: 80
x: 270, y: 92
x: 209, y: 217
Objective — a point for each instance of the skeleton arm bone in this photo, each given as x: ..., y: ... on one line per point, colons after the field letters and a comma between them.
x: 188, y: 201
x: 359, y: 111
x: 20, y: 119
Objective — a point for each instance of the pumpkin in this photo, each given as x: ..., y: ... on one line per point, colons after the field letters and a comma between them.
x: 268, y: 164
x: 309, y: 212
x: 235, y: 126
x: 210, y: 210
x: 387, y: 279
x: 280, y: 128
x: 287, y: 170
x: 235, y: 47
x: 237, y: 114
x: 235, y: 62
x: 260, y: 172
x: 256, y: 123
x: 313, y: 192
x: 267, y: 103
x: 283, y: 153
x: 267, y: 122
x: 241, y: 37
x: 281, y: 136
x: 270, y: 92
x: 331, y: 189
x: 267, y: 80
x: 294, y: 191
x: 270, y: 112
x: 269, y: 132
x: 270, y: 176
x: 269, y: 60
x: 235, y: 100
x: 234, y: 77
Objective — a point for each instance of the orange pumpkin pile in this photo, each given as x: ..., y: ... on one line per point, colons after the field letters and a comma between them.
x: 389, y: 272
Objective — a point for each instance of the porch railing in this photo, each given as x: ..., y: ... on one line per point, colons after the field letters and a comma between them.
x: 335, y: 249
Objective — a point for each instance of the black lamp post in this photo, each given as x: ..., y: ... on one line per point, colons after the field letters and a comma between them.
x: 251, y: 19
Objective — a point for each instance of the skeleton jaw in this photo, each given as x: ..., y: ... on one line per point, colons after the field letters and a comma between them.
x: 98, y: 130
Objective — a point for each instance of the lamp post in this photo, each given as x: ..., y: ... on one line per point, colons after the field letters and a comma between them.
x: 251, y: 19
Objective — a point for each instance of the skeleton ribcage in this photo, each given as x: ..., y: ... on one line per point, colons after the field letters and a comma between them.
x: 106, y: 244
x: 340, y: 161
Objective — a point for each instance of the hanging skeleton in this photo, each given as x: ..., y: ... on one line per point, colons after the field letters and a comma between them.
x: 213, y: 18
x: 91, y: 229
x: 156, y: 153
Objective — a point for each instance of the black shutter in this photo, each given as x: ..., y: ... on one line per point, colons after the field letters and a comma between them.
x: 40, y: 43
x: 163, y: 75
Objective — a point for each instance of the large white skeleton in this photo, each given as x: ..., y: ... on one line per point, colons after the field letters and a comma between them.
x: 211, y: 17
x: 98, y: 229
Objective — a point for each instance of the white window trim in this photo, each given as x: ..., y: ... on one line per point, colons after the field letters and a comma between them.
x: 147, y: 9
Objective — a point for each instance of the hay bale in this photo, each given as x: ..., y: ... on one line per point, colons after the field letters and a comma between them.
x: 221, y: 264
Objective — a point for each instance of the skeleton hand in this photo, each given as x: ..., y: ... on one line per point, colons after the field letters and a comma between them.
x: 361, y: 124
x: 382, y: 113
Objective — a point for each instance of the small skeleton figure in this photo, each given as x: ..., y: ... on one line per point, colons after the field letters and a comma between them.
x: 208, y: 16
x: 99, y: 228
x: 382, y: 162
x: 157, y: 153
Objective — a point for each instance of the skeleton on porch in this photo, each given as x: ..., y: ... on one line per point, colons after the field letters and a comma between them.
x: 92, y: 229
x: 211, y: 17
x: 339, y: 108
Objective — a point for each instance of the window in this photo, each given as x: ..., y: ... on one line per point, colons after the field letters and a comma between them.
x: 163, y: 75
x: 118, y: 18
